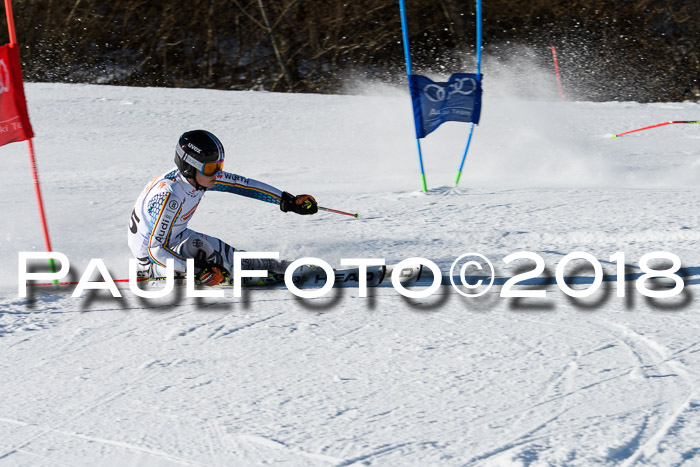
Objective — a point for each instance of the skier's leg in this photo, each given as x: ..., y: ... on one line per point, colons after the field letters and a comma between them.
x: 191, y: 243
x: 145, y: 268
x: 188, y: 244
x: 219, y: 252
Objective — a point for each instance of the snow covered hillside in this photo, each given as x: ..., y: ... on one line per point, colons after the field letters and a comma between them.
x: 342, y: 380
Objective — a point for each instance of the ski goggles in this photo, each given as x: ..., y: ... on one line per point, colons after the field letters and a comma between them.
x: 208, y: 169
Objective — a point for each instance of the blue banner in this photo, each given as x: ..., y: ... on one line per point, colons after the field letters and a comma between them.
x: 458, y: 100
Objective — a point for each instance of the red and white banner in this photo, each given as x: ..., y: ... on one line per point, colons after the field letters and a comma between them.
x: 14, y: 119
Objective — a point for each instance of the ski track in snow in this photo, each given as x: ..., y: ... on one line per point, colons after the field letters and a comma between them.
x: 599, y: 356
x: 343, y: 380
x: 655, y: 362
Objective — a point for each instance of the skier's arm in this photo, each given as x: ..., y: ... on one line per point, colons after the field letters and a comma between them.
x: 164, y: 209
x: 232, y: 183
x: 301, y: 204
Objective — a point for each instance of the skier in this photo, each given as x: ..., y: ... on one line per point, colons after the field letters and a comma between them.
x: 158, y: 228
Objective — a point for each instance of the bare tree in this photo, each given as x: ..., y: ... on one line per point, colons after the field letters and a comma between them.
x: 307, y: 45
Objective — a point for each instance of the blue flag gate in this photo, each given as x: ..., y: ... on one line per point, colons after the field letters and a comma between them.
x: 458, y: 99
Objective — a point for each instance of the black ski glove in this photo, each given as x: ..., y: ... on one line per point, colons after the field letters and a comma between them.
x: 301, y: 204
x: 210, y: 273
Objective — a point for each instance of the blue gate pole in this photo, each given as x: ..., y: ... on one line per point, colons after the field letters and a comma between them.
x: 407, y: 54
x: 478, y: 77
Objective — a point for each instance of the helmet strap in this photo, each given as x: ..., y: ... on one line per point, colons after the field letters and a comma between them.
x: 194, y: 183
x: 191, y: 177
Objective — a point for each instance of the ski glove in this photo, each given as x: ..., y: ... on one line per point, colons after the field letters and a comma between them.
x: 210, y: 273
x: 301, y: 204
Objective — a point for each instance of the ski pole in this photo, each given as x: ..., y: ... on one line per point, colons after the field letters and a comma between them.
x: 654, y: 126
x: 356, y: 215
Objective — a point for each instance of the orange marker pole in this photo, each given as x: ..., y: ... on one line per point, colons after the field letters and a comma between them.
x: 655, y: 126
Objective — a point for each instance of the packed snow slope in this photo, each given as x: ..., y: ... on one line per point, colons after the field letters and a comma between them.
x: 342, y: 380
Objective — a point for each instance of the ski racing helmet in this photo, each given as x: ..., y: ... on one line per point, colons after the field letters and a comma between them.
x: 199, y: 151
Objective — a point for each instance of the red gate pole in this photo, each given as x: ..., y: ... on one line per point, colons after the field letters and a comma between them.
x: 10, y: 22
x: 30, y: 144
x: 556, y: 71
x: 40, y: 203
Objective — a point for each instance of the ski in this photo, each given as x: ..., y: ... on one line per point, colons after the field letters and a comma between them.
x: 310, y: 276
